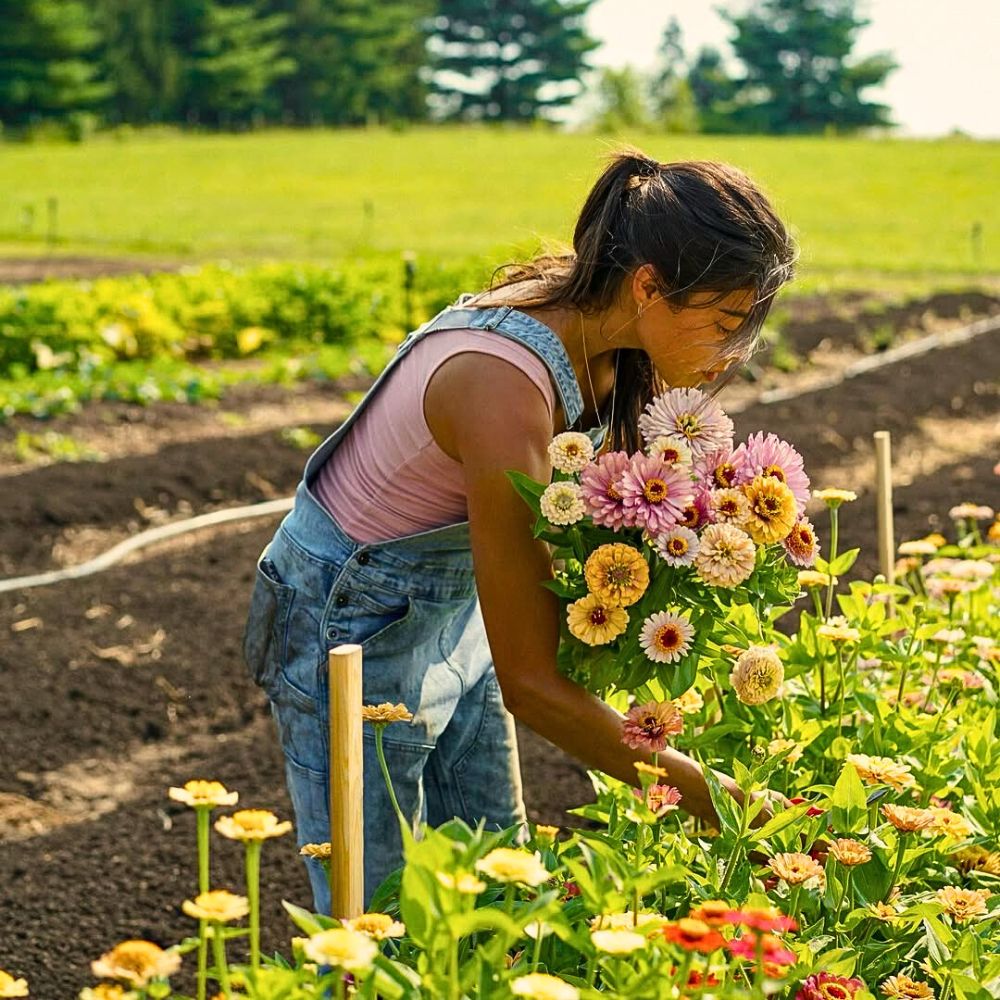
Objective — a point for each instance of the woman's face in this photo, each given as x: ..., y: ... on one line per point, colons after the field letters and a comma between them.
x: 688, y: 346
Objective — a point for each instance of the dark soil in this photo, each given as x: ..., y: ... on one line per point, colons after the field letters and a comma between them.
x: 116, y: 686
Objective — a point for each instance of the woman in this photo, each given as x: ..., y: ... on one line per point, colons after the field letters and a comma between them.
x: 407, y: 537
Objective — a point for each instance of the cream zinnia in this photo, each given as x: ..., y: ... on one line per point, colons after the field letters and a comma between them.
x: 562, y: 503
x: 726, y: 556
x: 570, y: 451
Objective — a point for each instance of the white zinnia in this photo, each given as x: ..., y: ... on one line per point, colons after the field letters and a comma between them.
x: 571, y: 451
x: 617, y: 941
x: 666, y: 637
x: 562, y: 503
x: 672, y: 449
x: 677, y: 547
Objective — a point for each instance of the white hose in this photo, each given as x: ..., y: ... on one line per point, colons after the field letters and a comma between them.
x: 932, y: 342
x: 153, y: 535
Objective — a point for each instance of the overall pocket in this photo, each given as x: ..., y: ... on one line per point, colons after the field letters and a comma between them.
x: 266, y: 629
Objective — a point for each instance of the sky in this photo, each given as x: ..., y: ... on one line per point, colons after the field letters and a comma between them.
x: 948, y: 52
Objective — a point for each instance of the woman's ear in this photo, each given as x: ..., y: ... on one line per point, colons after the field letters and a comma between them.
x: 645, y: 290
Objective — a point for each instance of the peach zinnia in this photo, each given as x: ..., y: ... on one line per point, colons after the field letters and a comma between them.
x: 905, y: 988
x: 963, y: 904
x: 850, y: 852
x: 646, y: 727
x: 881, y: 771
x: 136, y: 962
x: 908, y: 819
x: 617, y: 574
x: 795, y: 867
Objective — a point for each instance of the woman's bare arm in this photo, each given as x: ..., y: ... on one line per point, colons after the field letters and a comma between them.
x: 521, y: 616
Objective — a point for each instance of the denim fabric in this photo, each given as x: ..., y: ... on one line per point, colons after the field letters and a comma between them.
x: 411, y: 604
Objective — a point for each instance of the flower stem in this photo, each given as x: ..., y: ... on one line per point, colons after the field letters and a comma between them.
x: 536, y: 957
x: 834, y: 531
x: 221, y: 968
x: 909, y: 653
x: 846, y: 898
x: 900, y: 850
x: 202, y: 820
x: 842, y: 681
x: 380, y: 751
x: 253, y: 898
x: 731, y: 862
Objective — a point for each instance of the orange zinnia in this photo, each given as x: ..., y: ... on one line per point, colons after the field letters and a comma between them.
x: 694, y: 935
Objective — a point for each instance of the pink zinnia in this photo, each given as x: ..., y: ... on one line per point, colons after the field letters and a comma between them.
x: 718, y: 470
x: 600, y: 484
x: 772, y: 948
x: 827, y: 986
x: 647, y: 727
x: 655, y: 493
x: 770, y: 456
x: 660, y: 799
x: 692, y: 416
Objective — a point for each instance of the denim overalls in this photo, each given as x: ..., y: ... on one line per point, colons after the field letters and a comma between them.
x: 411, y: 603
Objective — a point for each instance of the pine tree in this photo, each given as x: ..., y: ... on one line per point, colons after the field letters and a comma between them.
x: 356, y: 61
x: 231, y: 56
x: 141, y: 58
x: 508, y: 60
x: 799, y: 77
x: 48, y: 63
x: 712, y: 91
x: 670, y: 92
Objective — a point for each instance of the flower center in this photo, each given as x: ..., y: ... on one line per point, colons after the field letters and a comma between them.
x: 598, y: 617
x: 776, y: 472
x: 619, y: 576
x: 724, y: 475
x: 677, y: 546
x: 668, y: 637
x: 655, y: 490
x: 767, y: 507
x: 670, y: 454
x: 691, y: 517
x: 688, y: 424
x: 612, y: 492
x: 729, y: 507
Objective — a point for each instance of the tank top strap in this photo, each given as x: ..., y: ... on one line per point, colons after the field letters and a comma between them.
x: 503, y: 320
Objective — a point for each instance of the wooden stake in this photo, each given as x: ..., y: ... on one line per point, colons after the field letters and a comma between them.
x: 346, y: 784
x: 886, y: 535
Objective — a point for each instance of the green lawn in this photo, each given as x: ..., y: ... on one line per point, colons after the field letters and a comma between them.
x: 901, y: 209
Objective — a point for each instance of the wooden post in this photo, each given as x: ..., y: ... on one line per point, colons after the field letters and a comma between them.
x: 883, y: 478
x: 346, y: 784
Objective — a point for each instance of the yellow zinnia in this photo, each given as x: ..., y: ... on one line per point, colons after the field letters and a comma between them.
x: 595, y: 622
x: 376, y: 925
x: 11, y: 987
x: 321, y: 852
x: 218, y: 905
x: 810, y: 578
x: 508, y: 864
x: 834, y: 497
x: 905, y: 988
x: 850, y: 852
x: 795, y: 867
x: 617, y: 574
x: 136, y: 962
x: 963, y: 904
x: 542, y: 986
x: 773, y: 510
x: 342, y: 948
x: 251, y: 824
x: 200, y: 793
x: 464, y: 882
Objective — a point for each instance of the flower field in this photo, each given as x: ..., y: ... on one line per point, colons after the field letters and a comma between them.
x: 120, y: 685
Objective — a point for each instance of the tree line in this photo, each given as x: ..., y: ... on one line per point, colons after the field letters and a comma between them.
x: 241, y: 63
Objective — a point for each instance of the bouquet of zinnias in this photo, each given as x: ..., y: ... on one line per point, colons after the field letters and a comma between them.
x: 655, y: 550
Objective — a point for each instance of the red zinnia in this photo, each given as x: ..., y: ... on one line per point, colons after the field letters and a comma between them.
x: 772, y: 948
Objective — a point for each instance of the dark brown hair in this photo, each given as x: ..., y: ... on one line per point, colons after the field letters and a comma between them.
x: 702, y: 226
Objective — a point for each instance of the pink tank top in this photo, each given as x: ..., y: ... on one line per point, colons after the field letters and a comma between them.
x: 388, y: 477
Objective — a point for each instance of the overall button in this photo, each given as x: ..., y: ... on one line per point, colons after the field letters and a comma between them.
x: 364, y: 558
x: 331, y: 633
x: 342, y: 600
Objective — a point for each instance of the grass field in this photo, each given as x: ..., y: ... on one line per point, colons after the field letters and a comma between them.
x: 901, y: 209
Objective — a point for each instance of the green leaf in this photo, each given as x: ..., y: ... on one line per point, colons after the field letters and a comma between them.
x: 529, y: 490
x: 308, y: 923
x: 850, y: 807
x: 843, y: 562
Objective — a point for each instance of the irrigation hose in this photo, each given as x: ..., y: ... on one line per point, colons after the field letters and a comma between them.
x: 923, y: 345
